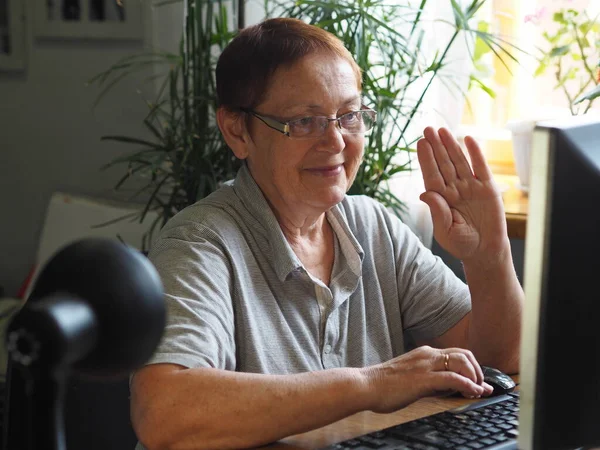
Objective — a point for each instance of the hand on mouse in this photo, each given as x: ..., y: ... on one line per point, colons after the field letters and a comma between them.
x: 422, y: 372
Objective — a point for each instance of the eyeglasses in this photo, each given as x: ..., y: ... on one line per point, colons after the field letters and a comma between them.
x: 310, y: 127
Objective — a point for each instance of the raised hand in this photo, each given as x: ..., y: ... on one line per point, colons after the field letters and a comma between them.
x: 423, y: 372
x: 466, y: 206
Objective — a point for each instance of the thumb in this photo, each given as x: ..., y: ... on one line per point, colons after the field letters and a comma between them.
x: 440, y: 211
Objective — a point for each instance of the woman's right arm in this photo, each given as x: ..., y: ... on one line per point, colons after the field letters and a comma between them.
x: 177, y: 408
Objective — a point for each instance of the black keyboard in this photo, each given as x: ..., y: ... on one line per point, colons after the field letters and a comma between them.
x: 489, y: 424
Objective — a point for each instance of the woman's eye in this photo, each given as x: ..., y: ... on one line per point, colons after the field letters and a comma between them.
x: 305, y: 121
x: 350, y: 117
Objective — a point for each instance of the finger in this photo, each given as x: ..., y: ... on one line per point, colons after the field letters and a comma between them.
x: 487, y: 389
x: 440, y: 152
x: 446, y: 361
x: 461, y: 164
x: 432, y: 176
x: 441, y: 214
x: 470, y: 359
x: 459, y: 363
x: 477, y: 367
x: 451, y: 381
x: 480, y: 167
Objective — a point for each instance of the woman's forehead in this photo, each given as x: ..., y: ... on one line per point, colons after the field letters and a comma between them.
x: 312, y: 82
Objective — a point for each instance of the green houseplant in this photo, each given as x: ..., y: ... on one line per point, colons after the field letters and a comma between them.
x: 186, y: 158
x: 571, y: 52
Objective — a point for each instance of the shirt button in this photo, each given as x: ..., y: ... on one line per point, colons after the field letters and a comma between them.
x: 327, y: 349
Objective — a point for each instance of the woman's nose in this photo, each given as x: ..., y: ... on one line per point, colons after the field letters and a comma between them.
x: 333, y: 139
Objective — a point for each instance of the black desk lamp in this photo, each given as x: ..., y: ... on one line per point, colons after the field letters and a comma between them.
x: 96, y: 311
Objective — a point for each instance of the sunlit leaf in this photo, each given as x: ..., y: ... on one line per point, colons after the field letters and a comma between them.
x: 591, y: 95
x: 540, y: 70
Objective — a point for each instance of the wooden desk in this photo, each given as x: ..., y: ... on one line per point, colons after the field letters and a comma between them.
x: 366, y: 422
x: 516, y: 205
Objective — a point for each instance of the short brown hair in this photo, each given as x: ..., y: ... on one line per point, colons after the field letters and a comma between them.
x: 245, y: 67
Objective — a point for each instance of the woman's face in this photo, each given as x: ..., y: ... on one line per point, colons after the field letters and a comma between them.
x: 306, y: 176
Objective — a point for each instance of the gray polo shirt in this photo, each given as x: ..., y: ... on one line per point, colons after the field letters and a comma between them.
x: 240, y: 299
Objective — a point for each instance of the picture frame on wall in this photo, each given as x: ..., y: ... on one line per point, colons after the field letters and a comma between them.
x: 88, y: 19
x: 12, y: 35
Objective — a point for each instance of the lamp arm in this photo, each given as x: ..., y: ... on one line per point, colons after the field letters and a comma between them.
x: 43, y: 340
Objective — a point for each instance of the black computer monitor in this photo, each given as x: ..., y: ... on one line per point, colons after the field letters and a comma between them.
x: 560, y: 340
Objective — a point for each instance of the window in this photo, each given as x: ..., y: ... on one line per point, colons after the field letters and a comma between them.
x: 518, y: 94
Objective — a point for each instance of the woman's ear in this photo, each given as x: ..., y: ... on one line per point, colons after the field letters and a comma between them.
x: 233, y: 127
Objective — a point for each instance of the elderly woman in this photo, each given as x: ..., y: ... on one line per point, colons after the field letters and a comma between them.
x: 292, y: 305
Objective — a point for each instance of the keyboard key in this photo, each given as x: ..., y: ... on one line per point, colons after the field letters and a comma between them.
x: 500, y: 437
x: 377, y: 434
x: 469, y: 437
x: 430, y: 437
x: 423, y: 447
x: 370, y: 442
x: 475, y: 445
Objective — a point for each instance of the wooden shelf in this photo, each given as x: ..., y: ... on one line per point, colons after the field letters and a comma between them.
x: 516, y: 205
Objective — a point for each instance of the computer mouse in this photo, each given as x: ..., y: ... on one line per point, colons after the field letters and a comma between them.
x: 502, y: 383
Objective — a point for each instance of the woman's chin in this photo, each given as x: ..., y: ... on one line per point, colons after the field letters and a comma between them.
x: 330, y: 198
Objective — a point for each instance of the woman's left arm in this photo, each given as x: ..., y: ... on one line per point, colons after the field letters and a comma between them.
x: 469, y: 222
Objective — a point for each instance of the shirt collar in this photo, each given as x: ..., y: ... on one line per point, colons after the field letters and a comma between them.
x: 279, y: 252
x: 349, y: 245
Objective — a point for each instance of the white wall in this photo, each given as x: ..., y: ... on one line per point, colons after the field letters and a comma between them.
x: 50, y: 137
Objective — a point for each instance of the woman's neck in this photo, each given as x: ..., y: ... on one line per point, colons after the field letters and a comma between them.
x: 313, y: 244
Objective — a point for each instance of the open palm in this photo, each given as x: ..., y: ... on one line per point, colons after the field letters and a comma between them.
x: 466, y: 206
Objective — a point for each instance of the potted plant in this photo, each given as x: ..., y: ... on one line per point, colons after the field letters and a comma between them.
x: 570, y: 52
x: 187, y: 158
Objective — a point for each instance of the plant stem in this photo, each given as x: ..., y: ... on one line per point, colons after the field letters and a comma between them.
x: 423, y: 92
x: 579, y: 41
